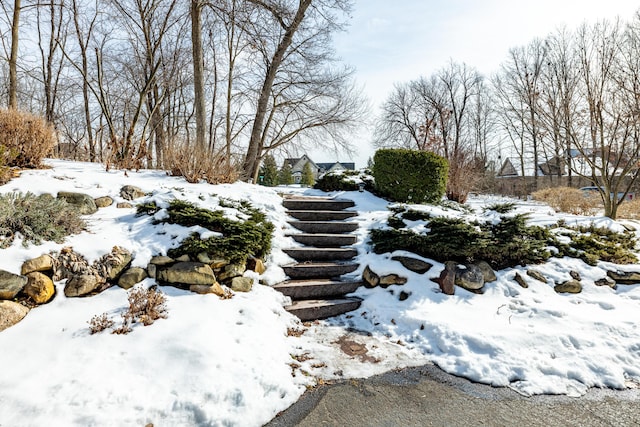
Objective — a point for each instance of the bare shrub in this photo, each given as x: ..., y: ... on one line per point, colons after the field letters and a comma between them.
x: 196, y: 165
x: 7, y: 157
x: 629, y: 209
x: 30, y: 137
x: 123, y: 155
x: 569, y: 200
x: 100, y: 323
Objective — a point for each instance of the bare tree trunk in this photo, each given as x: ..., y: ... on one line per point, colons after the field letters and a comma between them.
x: 13, y: 59
x: 198, y: 74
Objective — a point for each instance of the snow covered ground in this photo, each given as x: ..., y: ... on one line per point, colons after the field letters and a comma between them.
x: 237, y: 362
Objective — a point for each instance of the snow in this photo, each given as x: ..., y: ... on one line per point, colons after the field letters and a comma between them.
x: 238, y: 362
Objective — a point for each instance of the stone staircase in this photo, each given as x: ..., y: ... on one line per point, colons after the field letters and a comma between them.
x: 315, y: 284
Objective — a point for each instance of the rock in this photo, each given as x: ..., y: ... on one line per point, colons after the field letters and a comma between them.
x: 203, y: 258
x: 161, y: 260
x: 184, y: 258
x: 447, y: 279
x: 392, y: 279
x: 82, y: 284
x: 152, y: 270
x: 219, y: 263
x: 412, y: 264
x: 520, y: 280
x: 11, y: 313
x: 403, y: 296
x: 469, y: 277
x: 103, y: 202
x: 11, y: 284
x: 131, y: 192
x: 570, y: 286
x: 124, y: 205
x: 536, y: 275
x: 257, y: 265
x: 606, y: 281
x: 241, y: 284
x: 42, y: 263
x: 371, y: 279
x: 83, y: 202
x: 131, y: 277
x: 214, y: 288
x: 111, y: 265
x: 487, y: 272
x: 187, y: 273
x: 624, y: 278
x: 232, y: 270
x: 39, y: 288
x: 575, y: 275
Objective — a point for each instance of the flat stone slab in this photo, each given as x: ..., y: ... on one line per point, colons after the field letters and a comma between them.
x: 324, y: 240
x: 314, y: 289
x: 319, y: 270
x: 323, y: 308
x: 318, y: 204
x: 322, y: 215
x: 321, y: 254
x: 325, y: 227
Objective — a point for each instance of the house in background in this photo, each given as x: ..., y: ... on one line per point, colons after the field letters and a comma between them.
x: 318, y: 169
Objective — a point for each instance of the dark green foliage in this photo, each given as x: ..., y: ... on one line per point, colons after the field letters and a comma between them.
x: 501, y: 208
x: 36, y: 218
x: 395, y: 222
x: 414, y: 215
x: 593, y: 244
x: 285, y: 176
x: 335, y: 182
x: 239, y: 240
x: 269, y: 172
x: 410, y: 176
x: 307, y: 177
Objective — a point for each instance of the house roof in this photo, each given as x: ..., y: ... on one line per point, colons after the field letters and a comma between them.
x: 329, y: 166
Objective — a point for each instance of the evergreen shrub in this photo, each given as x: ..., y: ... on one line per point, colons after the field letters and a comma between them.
x: 410, y: 176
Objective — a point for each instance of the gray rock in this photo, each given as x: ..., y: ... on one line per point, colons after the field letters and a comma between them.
x: 83, y: 202
x: 487, y: 272
x: 131, y: 277
x: 152, y: 270
x: 469, y: 277
x: 241, y: 284
x: 413, y: 264
x: 131, y: 192
x: 575, y: 275
x: 124, y: 205
x: 184, y: 258
x: 111, y: 265
x: 371, y: 279
x: 82, y: 284
x: 39, y: 287
x: 103, y: 202
x: 42, y: 263
x: 232, y: 270
x: 161, y: 260
x: 606, y: 281
x: 520, y: 280
x: 204, y: 258
x: 404, y: 296
x: 623, y: 278
x: 392, y: 279
x: 570, y: 286
x: 536, y: 275
x: 187, y: 273
x: 11, y: 284
x: 11, y: 313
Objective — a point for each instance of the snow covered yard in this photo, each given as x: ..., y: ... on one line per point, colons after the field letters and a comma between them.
x: 241, y: 361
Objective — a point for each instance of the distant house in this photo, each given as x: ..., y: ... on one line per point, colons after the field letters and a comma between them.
x: 318, y: 169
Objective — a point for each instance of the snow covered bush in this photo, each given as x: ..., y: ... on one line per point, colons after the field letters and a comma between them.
x: 29, y: 136
x: 344, y: 181
x: 410, y: 176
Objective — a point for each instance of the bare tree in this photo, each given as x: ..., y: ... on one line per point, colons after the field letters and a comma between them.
x: 13, y: 58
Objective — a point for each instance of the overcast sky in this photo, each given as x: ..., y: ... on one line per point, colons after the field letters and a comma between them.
x: 400, y: 40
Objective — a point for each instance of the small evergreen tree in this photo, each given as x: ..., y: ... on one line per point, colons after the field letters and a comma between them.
x: 285, y: 177
x: 307, y: 177
x: 269, y: 172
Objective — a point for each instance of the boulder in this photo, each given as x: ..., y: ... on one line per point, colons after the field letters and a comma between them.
x: 82, y: 284
x: 570, y: 286
x: 111, y: 265
x: 392, y: 279
x: 575, y: 275
x: 187, y: 273
x: 241, y: 284
x: 83, y: 202
x: 536, y: 275
x: 103, y: 202
x: 413, y: 264
x: 469, y: 277
x: 161, y: 260
x: 11, y: 313
x: 131, y: 192
x: 39, y: 288
x: 131, y: 277
x: 257, y: 265
x: 204, y: 258
x: 11, y: 284
x: 624, y: 278
x: 124, y: 205
x: 520, y: 280
x: 232, y: 270
x: 219, y: 263
x: 184, y: 258
x: 606, y: 281
x: 371, y: 279
x: 487, y: 272
x: 214, y: 288
x: 42, y: 263
x: 447, y: 279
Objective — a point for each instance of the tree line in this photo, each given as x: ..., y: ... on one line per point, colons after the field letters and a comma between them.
x: 568, y: 103
x: 146, y: 83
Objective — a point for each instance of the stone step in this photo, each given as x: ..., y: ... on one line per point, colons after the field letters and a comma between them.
x: 325, y: 227
x: 321, y: 309
x: 313, y: 289
x: 319, y: 270
x: 324, y: 240
x: 318, y: 204
x: 322, y: 215
x: 321, y: 254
